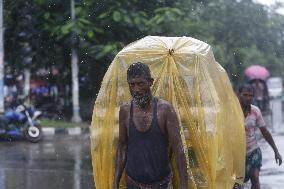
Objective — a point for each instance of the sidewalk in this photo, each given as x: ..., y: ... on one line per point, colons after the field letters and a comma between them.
x: 271, y: 175
x: 51, y: 127
x: 51, y: 131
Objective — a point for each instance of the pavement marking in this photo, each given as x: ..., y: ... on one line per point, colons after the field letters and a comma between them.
x: 74, y: 131
x: 48, y: 131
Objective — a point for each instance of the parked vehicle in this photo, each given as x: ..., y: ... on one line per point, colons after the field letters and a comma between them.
x: 21, y: 122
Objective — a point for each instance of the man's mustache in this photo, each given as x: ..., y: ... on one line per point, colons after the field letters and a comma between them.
x: 247, y: 102
x: 138, y: 95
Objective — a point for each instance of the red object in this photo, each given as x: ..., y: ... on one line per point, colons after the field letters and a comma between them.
x: 257, y: 72
x: 36, y: 83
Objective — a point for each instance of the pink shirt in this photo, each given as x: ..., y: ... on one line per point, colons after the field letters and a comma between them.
x: 252, y: 121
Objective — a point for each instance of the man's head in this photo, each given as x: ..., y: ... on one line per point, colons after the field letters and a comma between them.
x: 246, y: 94
x: 140, y: 81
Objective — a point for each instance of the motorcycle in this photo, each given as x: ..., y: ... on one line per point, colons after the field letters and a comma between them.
x: 21, y: 122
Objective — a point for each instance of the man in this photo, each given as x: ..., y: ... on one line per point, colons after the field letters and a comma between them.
x: 148, y: 126
x: 260, y: 94
x: 254, y: 120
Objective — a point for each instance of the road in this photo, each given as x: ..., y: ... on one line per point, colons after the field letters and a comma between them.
x: 271, y: 175
x: 65, y: 162
x: 58, y: 163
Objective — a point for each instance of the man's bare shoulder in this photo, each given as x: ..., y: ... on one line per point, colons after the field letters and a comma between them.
x: 164, y: 104
x: 125, y: 108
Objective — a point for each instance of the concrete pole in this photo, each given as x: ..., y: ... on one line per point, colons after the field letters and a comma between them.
x: 1, y: 59
x: 276, y: 107
x: 75, y: 72
x: 27, y: 76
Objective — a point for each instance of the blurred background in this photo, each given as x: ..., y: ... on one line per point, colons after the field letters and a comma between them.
x: 54, y: 54
x: 44, y: 40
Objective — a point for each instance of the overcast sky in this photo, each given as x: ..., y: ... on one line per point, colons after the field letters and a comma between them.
x: 266, y: 2
x: 270, y: 2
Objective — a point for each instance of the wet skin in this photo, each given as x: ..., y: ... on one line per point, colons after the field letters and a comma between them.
x: 167, y: 120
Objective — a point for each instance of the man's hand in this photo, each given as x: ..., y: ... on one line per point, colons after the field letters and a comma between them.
x: 237, y: 186
x: 278, y: 158
x: 266, y: 134
x: 115, y: 186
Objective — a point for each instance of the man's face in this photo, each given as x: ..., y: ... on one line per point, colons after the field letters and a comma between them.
x: 246, y: 97
x: 140, y: 89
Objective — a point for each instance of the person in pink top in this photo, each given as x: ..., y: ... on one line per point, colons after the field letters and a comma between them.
x: 253, y: 121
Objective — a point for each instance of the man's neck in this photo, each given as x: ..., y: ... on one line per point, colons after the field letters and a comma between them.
x: 246, y: 109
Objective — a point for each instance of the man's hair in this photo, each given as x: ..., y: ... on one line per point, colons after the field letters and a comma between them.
x: 247, y: 87
x: 138, y: 69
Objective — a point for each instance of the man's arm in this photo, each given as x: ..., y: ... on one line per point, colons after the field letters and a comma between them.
x: 121, y: 147
x: 173, y: 131
x: 267, y: 136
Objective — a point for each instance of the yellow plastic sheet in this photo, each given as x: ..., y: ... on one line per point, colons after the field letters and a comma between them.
x: 186, y: 74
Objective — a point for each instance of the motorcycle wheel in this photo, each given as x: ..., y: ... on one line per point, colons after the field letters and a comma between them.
x: 34, y: 134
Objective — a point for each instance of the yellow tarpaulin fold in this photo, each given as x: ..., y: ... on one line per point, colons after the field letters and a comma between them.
x: 186, y: 74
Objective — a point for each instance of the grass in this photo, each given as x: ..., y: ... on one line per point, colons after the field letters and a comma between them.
x: 62, y: 124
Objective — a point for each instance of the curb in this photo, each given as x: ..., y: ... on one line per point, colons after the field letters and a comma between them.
x: 75, y: 131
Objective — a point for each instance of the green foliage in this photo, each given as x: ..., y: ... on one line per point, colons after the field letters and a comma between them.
x: 240, y: 32
x: 62, y: 124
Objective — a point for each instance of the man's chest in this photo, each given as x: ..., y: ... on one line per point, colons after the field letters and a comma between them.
x: 250, y: 125
x: 250, y: 121
x: 143, y: 121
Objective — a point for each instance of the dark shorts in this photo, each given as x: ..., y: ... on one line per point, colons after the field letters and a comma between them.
x: 253, y: 161
x: 132, y: 186
x: 163, y: 184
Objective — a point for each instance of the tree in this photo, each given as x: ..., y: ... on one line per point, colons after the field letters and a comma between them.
x: 240, y: 32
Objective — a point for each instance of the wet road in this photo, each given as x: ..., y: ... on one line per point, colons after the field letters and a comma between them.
x: 271, y: 175
x: 63, y: 162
